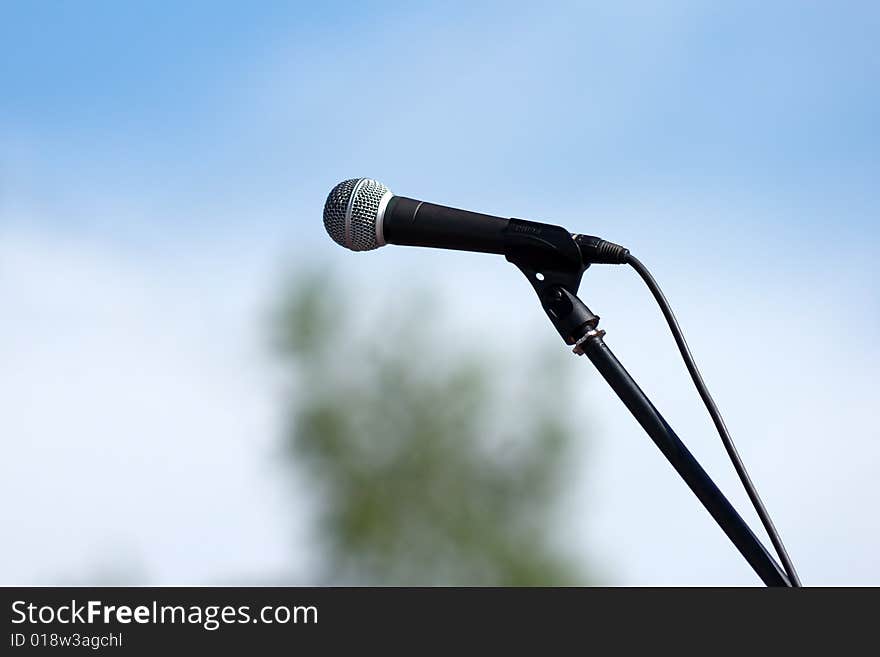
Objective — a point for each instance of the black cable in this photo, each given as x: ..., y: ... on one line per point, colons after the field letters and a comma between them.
x: 685, y: 351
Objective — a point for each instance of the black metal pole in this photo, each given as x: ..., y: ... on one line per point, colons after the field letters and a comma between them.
x: 682, y: 460
x: 556, y: 279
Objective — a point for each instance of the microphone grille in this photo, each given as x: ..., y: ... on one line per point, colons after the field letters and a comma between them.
x: 353, y: 213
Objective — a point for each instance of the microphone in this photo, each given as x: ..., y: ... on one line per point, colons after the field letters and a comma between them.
x: 362, y: 214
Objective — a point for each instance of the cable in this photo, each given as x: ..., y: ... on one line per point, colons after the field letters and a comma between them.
x: 685, y: 351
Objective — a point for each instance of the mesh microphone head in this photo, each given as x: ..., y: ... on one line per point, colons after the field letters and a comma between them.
x: 354, y: 211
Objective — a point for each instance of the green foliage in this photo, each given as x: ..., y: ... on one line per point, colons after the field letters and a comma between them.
x: 430, y: 465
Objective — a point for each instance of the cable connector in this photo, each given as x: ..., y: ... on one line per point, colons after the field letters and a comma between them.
x: 595, y: 250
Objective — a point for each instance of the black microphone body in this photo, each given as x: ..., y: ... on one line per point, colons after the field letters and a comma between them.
x: 410, y: 222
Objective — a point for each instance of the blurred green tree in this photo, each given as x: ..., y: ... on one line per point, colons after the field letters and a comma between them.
x: 430, y: 466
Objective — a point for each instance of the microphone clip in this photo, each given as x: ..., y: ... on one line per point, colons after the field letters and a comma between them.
x: 551, y: 260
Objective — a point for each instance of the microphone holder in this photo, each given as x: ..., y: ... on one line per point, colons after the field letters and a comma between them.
x: 555, y: 272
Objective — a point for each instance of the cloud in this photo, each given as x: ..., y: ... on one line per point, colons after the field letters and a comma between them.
x: 137, y: 412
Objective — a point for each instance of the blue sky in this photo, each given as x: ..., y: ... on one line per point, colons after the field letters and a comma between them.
x: 170, y: 159
x: 757, y: 98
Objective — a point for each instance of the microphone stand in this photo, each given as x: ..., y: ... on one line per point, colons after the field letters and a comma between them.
x: 555, y: 273
x: 681, y: 459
